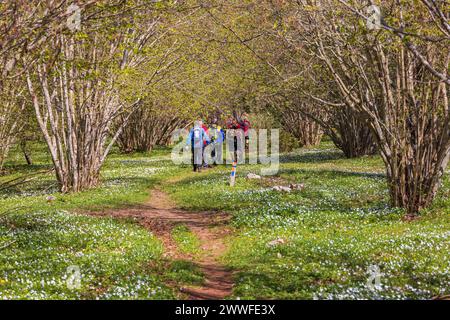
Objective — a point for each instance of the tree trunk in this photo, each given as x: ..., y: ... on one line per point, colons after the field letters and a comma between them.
x: 147, y: 127
x: 26, y: 152
x: 350, y: 133
x: 303, y: 128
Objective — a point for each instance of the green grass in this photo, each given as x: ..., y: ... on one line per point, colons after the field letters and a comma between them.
x: 186, y: 272
x: 186, y: 241
x: 334, y: 230
x: 111, y: 256
x: 117, y: 259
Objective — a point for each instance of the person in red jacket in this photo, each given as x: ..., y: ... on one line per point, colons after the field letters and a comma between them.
x: 245, y: 125
x: 205, y: 127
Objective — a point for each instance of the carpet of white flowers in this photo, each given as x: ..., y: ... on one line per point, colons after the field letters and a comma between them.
x: 325, y: 241
x: 110, y: 255
x: 49, y: 250
x: 338, y: 238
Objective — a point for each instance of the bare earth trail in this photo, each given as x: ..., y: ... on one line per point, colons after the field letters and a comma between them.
x: 160, y: 215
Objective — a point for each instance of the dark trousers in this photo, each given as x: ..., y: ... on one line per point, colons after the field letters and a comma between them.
x: 235, y: 149
x: 197, y: 158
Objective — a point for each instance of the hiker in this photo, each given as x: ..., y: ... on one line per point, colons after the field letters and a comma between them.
x: 205, y: 144
x: 235, y: 137
x: 197, y: 137
x: 245, y: 125
x: 217, y: 137
x: 229, y: 123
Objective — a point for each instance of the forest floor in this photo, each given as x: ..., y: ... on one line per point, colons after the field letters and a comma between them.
x: 195, y: 237
x: 163, y: 218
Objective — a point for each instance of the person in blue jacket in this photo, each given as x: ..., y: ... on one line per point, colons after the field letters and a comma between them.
x: 217, y: 136
x: 197, y: 137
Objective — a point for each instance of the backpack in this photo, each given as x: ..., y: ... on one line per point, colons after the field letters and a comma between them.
x: 214, y: 134
x: 197, y: 137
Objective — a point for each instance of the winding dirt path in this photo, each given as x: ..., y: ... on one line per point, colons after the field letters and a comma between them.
x: 160, y: 215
